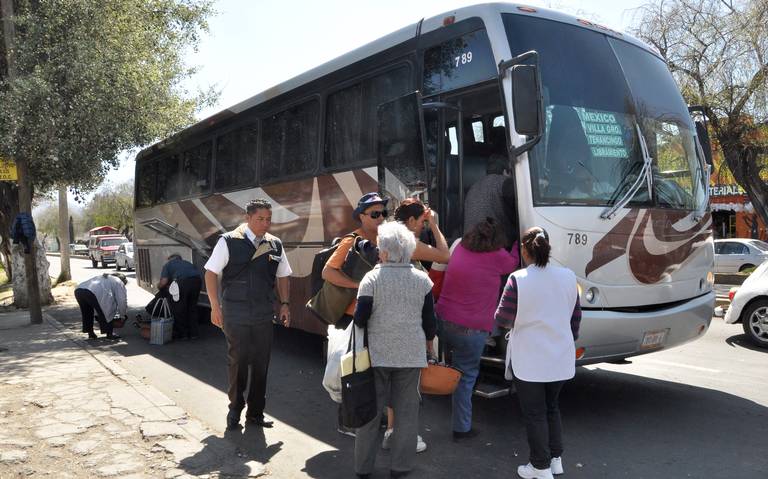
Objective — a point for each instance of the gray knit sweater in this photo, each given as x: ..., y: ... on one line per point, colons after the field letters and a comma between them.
x: 395, y: 335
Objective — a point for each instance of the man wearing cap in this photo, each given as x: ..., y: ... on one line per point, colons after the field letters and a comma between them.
x: 248, y: 261
x: 371, y: 211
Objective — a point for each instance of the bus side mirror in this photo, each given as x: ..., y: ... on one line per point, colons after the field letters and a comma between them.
x: 525, y: 99
x: 706, y: 145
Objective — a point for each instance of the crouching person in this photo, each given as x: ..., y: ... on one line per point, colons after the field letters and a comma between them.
x: 395, y: 302
x: 102, y: 296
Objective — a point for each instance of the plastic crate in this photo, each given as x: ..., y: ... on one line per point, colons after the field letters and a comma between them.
x: 161, y: 331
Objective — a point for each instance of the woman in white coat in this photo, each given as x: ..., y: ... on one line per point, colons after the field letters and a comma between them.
x: 540, y: 305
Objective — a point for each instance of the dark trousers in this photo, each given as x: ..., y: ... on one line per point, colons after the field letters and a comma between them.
x: 539, y: 403
x: 248, y: 351
x: 185, y: 309
x: 89, y: 306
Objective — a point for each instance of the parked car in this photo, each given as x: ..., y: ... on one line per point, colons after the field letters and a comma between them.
x: 749, y: 304
x: 101, y: 249
x: 734, y: 255
x: 77, y: 249
x: 124, y: 256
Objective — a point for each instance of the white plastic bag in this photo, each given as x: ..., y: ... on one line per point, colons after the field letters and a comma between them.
x: 173, y: 290
x: 338, y: 343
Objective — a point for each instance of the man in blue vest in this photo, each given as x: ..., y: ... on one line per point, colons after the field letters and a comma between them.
x: 248, y: 262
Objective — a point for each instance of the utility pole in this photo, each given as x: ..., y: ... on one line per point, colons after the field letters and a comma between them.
x: 22, y: 167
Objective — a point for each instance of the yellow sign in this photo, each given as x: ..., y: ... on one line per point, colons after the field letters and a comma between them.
x: 8, y: 170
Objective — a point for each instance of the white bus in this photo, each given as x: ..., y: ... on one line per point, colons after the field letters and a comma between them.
x: 602, y: 150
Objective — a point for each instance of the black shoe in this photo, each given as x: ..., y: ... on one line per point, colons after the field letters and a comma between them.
x: 458, y: 436
x: 92, y: 335
x: 259, y: 421
x: 113, y: 337
x: 395, y: 474
x: 233, y: 420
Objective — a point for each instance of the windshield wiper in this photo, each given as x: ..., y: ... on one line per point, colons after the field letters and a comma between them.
x: 645, y: 174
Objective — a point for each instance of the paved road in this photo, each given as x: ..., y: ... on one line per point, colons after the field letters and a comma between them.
x: 698, y: 411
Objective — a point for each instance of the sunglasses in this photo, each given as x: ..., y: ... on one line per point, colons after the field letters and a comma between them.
x: 375, y: 214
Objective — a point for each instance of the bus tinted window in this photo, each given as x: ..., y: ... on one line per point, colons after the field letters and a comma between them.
x: 351, y: 116
x: 289, y: 141
x: 236, y: 157
x: 145, y: 188
x: 195, y: 170
x: 344, y: 113
x: 167, y: 179
x: 458, y: 62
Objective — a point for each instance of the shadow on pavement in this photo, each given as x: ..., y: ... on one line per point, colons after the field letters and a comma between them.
x: 742, y: 341
x: 615, y: 424
x: 252, y: 451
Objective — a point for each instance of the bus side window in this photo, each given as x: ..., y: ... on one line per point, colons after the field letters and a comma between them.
x: 236, y: 157
x: 289, y: 141
x: 196, y: 170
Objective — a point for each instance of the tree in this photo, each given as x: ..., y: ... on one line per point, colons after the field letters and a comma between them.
x: 87, y: 79
x: 718, y: 52
x: 112, y: 206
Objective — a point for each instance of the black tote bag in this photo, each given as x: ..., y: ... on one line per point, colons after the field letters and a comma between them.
x: 358, y: 391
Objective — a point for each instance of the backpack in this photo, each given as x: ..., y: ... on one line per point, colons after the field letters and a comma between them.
x: 322, y: 257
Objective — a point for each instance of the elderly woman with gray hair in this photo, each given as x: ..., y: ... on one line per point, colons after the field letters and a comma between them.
x: 394, y: 302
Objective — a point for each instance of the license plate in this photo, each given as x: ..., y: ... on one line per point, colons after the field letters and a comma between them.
x: 653, y: 339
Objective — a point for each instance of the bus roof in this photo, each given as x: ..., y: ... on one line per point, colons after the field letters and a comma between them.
x: 486, y: 10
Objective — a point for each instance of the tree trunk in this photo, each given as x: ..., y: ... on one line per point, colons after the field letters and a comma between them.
x: 21, y: 296
x: 743, y: 164
x: 66, y: 273
x: 71, y: 230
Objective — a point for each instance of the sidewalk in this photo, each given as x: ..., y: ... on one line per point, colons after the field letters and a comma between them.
x: 69, y: 411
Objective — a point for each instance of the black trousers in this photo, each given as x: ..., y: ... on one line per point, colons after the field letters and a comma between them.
x: 89, y: 306
x: 184, y: 310
x: 540, y: 405
x: 248, y: 352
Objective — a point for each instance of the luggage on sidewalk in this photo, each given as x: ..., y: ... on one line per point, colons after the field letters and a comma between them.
x: 161, y: 322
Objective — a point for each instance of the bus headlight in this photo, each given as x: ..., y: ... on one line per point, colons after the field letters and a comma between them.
x: 591, y: 295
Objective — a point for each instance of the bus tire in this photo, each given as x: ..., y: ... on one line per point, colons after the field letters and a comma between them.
x: 104, y: 264
x: 745, y: 266
x: 754, y: 320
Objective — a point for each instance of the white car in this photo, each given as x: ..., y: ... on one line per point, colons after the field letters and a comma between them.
x: 737, y: 254
x: 124, y: 256
x: 750, y: 306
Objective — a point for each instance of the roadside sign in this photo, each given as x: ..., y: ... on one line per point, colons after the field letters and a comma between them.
x: 8, y: 170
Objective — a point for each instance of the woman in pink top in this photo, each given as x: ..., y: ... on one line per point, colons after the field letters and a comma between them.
x: 467, y: 306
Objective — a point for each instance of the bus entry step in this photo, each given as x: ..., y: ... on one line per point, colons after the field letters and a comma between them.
x: 491, y: 391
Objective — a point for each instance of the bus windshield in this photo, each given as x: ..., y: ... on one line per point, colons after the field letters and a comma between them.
x: 598, y: 92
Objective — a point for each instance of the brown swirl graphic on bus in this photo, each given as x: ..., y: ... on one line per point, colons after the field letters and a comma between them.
x: 632, y: 234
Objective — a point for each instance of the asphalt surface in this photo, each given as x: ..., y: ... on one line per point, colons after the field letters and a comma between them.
x: 698, y: 411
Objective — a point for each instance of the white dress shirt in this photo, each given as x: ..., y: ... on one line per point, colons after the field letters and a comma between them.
x: 220, y: 257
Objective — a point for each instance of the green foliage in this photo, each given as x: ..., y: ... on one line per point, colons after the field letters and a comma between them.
x: 95, y: 78
x: 111, y: 206
x: 47, y: 220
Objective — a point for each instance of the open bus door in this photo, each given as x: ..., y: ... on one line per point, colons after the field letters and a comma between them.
x: 402, y: 169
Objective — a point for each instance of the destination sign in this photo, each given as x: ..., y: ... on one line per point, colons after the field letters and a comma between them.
x: 604, y: 134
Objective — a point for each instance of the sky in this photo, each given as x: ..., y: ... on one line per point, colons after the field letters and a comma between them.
x: 255, y: 44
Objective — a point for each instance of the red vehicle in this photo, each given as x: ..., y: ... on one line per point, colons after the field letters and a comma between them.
x: 102, y: 248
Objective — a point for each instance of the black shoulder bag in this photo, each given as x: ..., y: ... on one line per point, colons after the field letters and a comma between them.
x: 358, y: 390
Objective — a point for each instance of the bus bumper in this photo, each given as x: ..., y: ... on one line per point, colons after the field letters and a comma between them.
x: 609, y: 335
